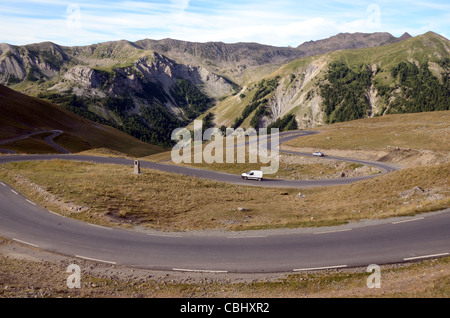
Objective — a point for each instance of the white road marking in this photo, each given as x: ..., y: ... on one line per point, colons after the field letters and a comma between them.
x: 27, y: 243
x: 56, y: 213
x: 95, y: 259
x: 30, y: 202
x: 425, y: 256
x: 99, y: 226
x: 198, y: 270
x: 14, y: 192
x: 335, y: 231
x: 319, y: 268
x: 410, y: 220
x: 254, y: 236
x: 162, y: 235
x: 3, y: 184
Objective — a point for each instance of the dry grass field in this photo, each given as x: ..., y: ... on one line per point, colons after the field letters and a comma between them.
x: 411, y: 131
x: 111, y: 194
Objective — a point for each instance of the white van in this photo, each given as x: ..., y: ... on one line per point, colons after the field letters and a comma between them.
x: 253, y: 174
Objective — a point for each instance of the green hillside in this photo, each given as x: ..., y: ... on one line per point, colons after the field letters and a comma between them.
x: 410, y: 76
x: 405, y: 77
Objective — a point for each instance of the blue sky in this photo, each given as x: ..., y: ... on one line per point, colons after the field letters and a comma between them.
x: 280, y: 23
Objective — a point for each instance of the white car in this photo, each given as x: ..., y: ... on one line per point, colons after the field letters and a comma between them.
x: 318, y: 154
x: 253, y: 174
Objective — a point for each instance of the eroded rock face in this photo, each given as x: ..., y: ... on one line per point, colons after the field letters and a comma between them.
x: 32, y: 62
x: 85, y: 76
x: 104, y: 75
x: 158, y: 70
x: 165, y: 71
x: 299, y: 92
x: 10, y: 65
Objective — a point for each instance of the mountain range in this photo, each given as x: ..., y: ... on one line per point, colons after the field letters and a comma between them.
x: 150, y: 87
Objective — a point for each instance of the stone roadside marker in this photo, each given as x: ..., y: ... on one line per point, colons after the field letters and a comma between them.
x: 137, y: 167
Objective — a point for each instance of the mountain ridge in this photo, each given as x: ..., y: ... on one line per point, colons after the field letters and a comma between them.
x: 249, y: 52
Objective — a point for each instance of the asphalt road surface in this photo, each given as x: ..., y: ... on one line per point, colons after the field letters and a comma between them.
x: 383, y: 242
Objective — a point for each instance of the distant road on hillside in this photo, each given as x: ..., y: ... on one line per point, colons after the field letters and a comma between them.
x: 49, y: 140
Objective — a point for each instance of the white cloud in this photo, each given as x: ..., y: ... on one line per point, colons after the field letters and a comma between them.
x: 180, y: 4
x: 281, y: 23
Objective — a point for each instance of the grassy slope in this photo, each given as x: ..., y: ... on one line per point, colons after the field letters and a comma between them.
x: 370, y: 137
x: 428, y: 130
x: 110, y: 55
x: 422, y: 48
x: 20, y: 114
x: 425, y: 47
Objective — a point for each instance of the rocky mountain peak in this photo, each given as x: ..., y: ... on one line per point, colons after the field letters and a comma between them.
x: 405, y: 36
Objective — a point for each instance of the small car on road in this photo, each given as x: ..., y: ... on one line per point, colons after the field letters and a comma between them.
x: 318, y: 154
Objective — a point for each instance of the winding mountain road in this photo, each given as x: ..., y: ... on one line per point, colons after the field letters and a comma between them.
x: 49, y: 140
x: 388, y: 241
